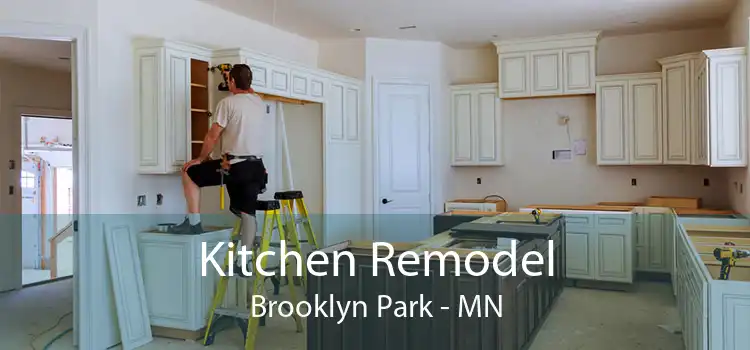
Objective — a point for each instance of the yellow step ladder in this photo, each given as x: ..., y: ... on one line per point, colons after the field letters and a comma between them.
x: 244, y: 318
x: 278, y: 214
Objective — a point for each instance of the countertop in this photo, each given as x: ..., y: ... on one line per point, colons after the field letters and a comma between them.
x: 594, y: 207
x: 623, y: 208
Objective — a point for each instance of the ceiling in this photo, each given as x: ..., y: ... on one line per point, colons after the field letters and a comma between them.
x: 36, y: 53
x: 471, y: 23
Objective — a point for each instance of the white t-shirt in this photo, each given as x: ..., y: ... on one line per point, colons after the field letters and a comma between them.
x: 241, y: 116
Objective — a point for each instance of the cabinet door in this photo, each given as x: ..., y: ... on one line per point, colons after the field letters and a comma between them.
x: 300, y: 84
x: 579, y: 70
x: 178, y: 108
x: 488, y: 128
x: 646, y: 121
x: 514, y: 75
x: 700, y: 114
x: 612, y: 258
x: 612, y: 123
x: 727, y: 111
x: 546, y: 73
x: 578, y: 252
x: 658, y: 253
x: 149, y: 77
x: 462, y: 129
x: 677, y: 131
x: 352, y: 112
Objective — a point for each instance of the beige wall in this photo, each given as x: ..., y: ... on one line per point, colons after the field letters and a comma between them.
x: 737, y: 33
x: 27, y: 87
x: 531, y: 133
x: 304, y: 129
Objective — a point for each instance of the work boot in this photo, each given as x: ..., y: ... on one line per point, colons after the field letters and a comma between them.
x: 186, y: 229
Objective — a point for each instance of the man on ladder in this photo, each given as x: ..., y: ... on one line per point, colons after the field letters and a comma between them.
x: 239, y: 128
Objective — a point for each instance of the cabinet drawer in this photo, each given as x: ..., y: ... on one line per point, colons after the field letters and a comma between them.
x: 607, y: 220
x: 585, y: 220
x: 449, y: 206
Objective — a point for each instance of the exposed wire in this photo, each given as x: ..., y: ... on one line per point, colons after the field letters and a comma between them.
x: 31, y: 343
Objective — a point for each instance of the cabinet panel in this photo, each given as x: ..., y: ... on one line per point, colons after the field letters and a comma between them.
x: 646, y: 126
x: 677, y: 113
x: 317, y: 88
x: 487, y: 149
x: 352, y: 113
x: 148, y: 74
x: 300, y: 84
x: 657, y: 246
x: 579, y: 69
x: 578, y: 252
x: 261, y: 75
x: 335, y: 112
x: 546, y: 72
x: 700, y: 115
x: 462, y: 127
x: 612, y: 123
x: 611, y: 257
x: 178, y: 107
x: 514, y: 71
x: 280, y: 78
x: 727, y: 88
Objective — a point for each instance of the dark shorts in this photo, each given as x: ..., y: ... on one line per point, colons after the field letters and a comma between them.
x: 245, y: 181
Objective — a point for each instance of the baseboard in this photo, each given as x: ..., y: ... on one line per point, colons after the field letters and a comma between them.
x: 51, y: 280
x: 653, y: 276
x: 612, y: 286
x: 173, y: 333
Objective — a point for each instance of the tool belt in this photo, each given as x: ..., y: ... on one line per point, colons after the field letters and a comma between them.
x: 231, y: 157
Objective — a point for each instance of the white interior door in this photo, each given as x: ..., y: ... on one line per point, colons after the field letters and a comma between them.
x: 31, y: 219
x: 402, y: 117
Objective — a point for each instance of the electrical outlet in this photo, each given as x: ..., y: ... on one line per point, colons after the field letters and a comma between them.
x: 142, y: 200
x: 479, y: 181
x: 159, y: 198
x: 706, y: 182
x: 633, y: 182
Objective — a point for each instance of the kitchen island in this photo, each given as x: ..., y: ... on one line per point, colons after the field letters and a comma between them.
x: 527, y: 296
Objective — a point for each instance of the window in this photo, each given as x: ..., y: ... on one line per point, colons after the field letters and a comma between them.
x: 28, y: 180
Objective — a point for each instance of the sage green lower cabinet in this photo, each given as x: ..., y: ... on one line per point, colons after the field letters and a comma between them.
x: 654, y: 240
x: 599, y: 245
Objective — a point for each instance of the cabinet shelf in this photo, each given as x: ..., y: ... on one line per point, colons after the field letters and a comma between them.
x: 198, y: 85
x: 198, y: 110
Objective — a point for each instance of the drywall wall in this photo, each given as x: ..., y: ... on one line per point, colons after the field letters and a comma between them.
x: 420, y: 62
x: 344, y: 56
x: 737, y: 31
x: 531, y: 133
x: 638, y: 53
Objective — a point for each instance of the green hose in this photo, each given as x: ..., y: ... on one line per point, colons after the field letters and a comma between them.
x: 57, y: 337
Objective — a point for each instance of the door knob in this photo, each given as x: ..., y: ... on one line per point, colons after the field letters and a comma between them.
x: 386, y: 201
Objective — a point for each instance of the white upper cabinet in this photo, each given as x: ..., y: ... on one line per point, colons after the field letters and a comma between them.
x: 677, y: 75
x: 629, y: 119
x: 705, y: 108
x: 726, y: 108
x: 274, y: 76
x: 476, y: 125
x: 547, y: 66
x: 163, y: 100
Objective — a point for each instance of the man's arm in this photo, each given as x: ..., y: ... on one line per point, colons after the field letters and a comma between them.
x: 210, y: 140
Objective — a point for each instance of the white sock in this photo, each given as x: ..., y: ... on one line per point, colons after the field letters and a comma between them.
x: 194, y: 218
x: 248, y: 230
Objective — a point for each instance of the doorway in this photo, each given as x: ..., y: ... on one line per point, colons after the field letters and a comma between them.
x: 47, y: 198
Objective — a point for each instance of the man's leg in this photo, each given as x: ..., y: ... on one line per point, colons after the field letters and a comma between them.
x: 197, y: 176
x: 192, y: 197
